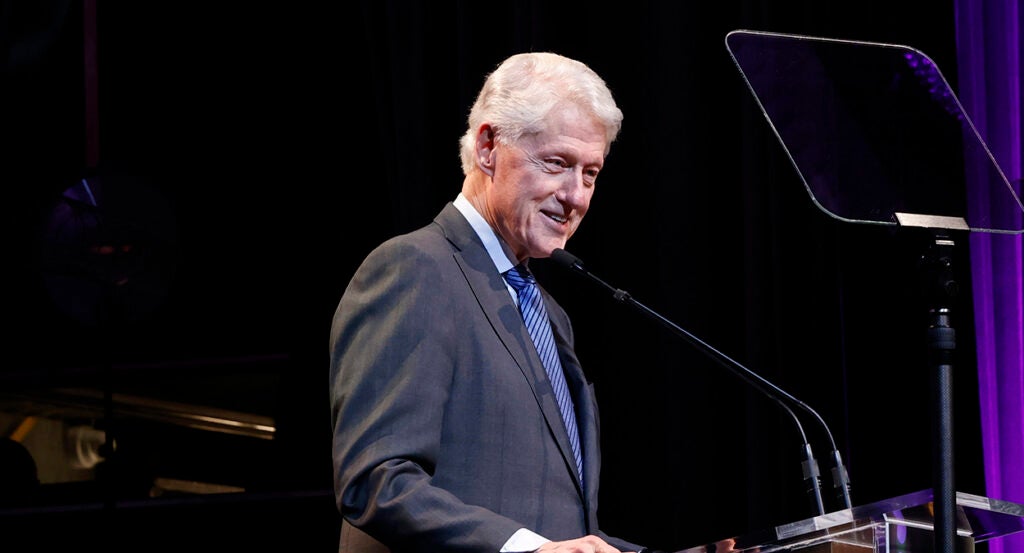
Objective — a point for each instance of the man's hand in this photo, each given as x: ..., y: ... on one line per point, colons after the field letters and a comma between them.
x: 725, y: 546
x: 586, y: 544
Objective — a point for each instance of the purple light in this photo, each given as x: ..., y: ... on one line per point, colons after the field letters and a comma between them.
x: 988, y: 47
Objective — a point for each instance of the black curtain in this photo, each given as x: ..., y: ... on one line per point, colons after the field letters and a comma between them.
x: 701, y: 217
x: 290, y: 140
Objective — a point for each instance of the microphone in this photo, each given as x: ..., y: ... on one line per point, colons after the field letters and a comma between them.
x: 811, y: 473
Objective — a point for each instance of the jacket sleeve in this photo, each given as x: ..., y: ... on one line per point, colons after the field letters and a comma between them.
x: 390, y: 372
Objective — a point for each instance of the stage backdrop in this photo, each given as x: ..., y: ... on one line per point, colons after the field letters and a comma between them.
x: 262, y: 151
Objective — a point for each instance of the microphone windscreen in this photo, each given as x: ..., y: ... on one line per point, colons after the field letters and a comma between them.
x: 566, y: 259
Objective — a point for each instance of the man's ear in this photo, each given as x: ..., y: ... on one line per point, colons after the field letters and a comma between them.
x: 485, y: 149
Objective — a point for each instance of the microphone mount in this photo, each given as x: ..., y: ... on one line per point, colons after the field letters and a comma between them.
x: 810, y: 466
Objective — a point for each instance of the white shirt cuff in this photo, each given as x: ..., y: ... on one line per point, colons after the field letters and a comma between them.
x: 523, y: 541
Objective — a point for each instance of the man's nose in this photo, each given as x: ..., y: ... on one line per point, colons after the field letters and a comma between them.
x: 574, y: 191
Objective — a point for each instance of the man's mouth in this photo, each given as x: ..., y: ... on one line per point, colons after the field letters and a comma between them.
x: 561, y: 219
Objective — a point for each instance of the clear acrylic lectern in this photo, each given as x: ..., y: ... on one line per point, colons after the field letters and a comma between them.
x: 902, y: 524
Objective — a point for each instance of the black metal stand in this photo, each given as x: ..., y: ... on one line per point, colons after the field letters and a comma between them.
x: 940, y: 288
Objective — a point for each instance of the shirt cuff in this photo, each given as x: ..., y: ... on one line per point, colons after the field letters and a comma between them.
x: 523, y: 541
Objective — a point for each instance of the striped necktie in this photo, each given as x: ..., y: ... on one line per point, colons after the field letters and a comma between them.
x: 531, y: 305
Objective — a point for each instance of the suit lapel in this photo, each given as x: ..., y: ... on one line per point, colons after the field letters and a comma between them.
x: 501, y: 312
x: 585, y: 403
x: 586, y: 410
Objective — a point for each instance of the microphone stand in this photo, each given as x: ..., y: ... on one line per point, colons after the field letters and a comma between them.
x: 810, y: 465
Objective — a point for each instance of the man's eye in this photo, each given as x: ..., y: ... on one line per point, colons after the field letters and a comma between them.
x: 558, y: 163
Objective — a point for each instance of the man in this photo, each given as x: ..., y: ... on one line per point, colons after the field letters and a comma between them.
x: 448, y: 432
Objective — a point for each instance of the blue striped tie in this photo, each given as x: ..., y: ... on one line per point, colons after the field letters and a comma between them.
x: 536, y: 318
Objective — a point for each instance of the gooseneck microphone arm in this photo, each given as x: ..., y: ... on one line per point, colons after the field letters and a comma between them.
x: 780, y: 396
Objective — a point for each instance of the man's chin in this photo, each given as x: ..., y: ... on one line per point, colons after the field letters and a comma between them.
x: 548, y: 248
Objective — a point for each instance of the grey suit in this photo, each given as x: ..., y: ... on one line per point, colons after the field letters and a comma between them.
x: 447, y: 436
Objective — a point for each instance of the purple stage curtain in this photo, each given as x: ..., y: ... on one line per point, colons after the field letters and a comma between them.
x: 988, y: 34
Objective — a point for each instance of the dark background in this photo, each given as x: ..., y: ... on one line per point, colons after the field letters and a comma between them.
x: 252, y: 154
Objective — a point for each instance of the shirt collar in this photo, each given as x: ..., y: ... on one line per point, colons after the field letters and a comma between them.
x: 494, y: 245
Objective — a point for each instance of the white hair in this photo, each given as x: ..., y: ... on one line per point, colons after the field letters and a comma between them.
x: 517, y: 96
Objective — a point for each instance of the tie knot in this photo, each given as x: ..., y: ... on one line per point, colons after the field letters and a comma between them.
x: 519, y: 277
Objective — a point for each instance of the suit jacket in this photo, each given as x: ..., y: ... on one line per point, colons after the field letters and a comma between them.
x: 447, y: 436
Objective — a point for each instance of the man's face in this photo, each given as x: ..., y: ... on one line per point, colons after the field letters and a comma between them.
x: 543, y: 184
